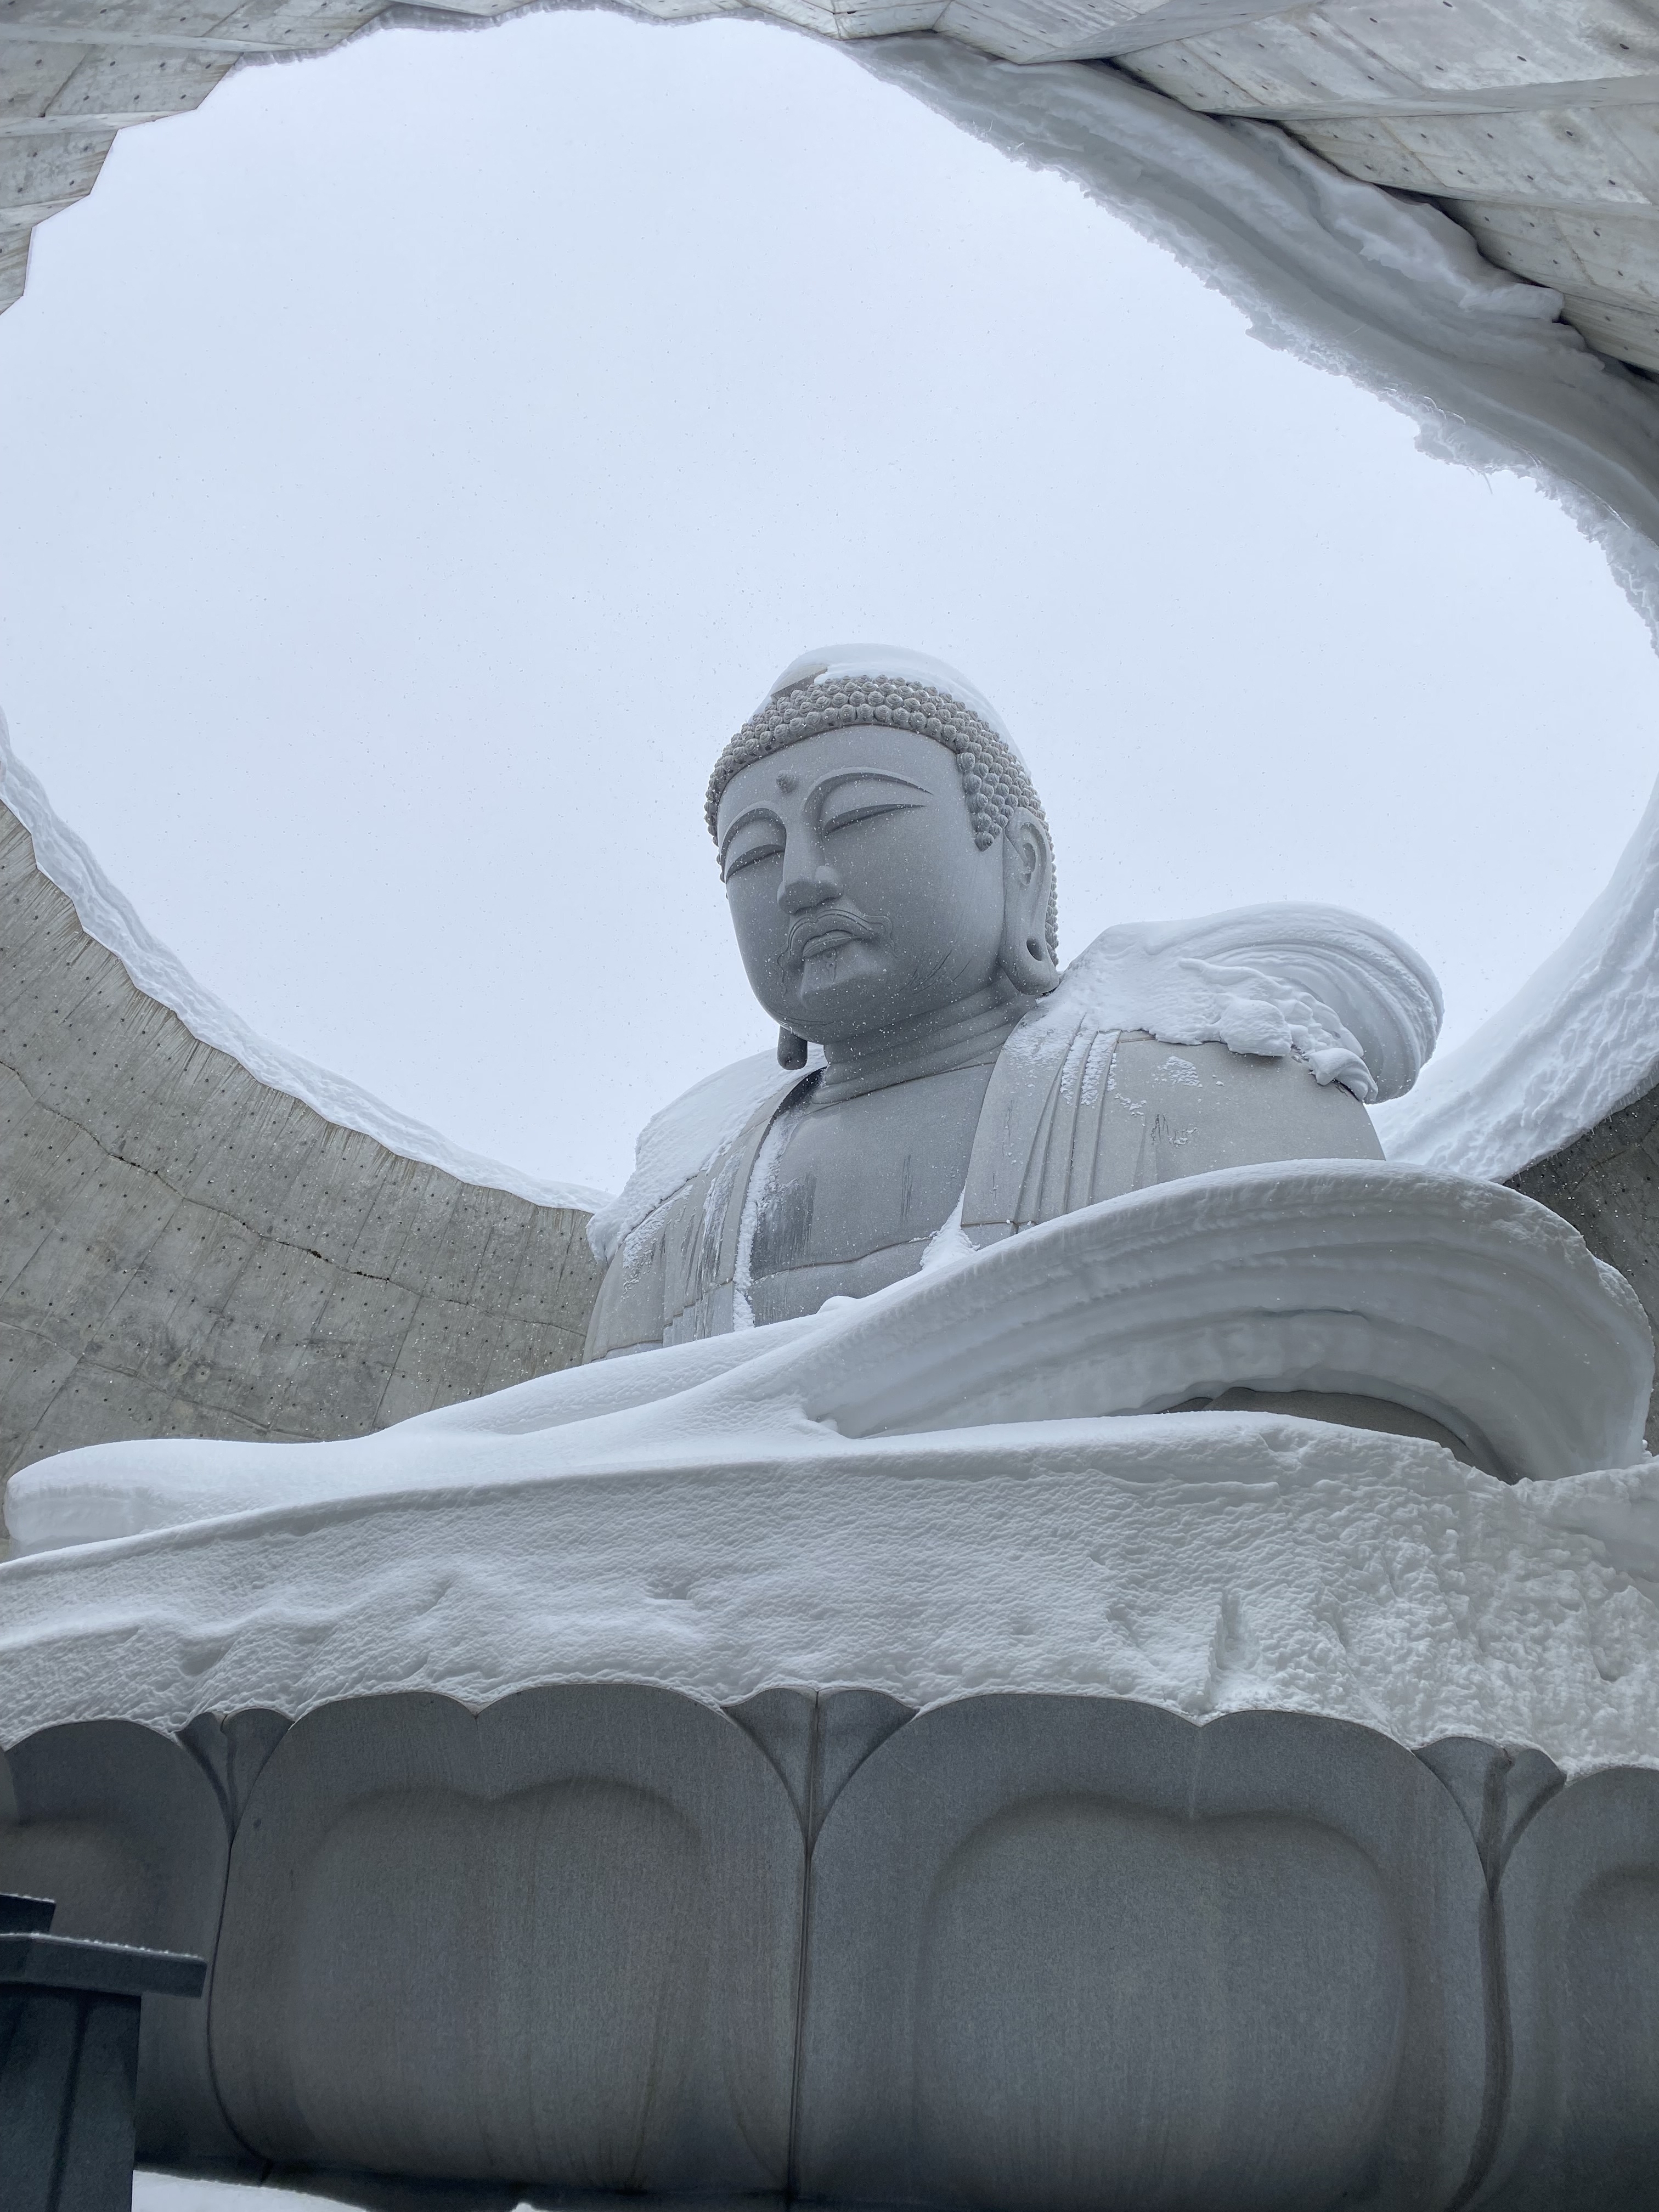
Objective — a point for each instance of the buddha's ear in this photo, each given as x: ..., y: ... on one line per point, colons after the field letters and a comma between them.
x: 1028, y: 877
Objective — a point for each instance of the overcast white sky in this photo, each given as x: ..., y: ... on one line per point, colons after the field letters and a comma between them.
x: 417, y: 461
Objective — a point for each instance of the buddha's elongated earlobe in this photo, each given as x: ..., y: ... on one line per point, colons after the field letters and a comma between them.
x: 1028, y: 875
x: 792, y: 1049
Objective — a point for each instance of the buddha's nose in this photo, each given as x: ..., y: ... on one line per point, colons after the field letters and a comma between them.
x: 807, y: 880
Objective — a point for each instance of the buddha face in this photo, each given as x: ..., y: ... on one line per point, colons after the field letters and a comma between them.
x: 859, y: 895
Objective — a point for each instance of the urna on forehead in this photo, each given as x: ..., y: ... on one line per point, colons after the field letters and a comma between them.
x: 842, y: 686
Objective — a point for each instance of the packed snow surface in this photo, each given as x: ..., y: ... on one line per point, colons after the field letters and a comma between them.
x: 175, y: 2192
x: 932, y: 1492
x: 1202, y: 1563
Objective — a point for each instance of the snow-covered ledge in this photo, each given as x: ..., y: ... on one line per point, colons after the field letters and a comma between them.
x: 959, y: 1485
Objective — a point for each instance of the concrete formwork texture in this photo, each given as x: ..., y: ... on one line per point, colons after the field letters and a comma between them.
x: 186, y: 1251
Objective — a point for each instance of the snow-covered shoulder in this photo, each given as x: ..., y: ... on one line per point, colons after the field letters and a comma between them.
x: 1329, y: 987
x: 676, y: 1142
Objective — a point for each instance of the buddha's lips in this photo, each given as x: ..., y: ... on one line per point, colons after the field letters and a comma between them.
x: 826, y: 930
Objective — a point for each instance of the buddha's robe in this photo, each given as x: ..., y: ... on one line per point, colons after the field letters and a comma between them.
x: 1076, y: 1108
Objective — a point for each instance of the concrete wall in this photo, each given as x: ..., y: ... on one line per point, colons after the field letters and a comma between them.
x: 1606, y: 1184
x: 1536, y: 125
x: 184, y: 1251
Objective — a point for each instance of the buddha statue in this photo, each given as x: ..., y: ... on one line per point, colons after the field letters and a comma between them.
x: 890, y: 877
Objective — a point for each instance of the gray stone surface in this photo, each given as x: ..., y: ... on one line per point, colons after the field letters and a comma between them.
x: 1579, y: 1921
x: 1044, y: 1952
x: 187, y: 1252
x: 818, y: 1740
x: 555, y: 1942
x: 1070, y: 1952
x: 891, y: 882
x: 125, y: 1830
x: 1606, y: 1184
x: 70, y: 2017
x: 1497, y: 1787
x: 69, y: 2063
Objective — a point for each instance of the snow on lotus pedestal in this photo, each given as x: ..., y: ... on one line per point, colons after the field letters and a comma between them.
x: 886, y: 1759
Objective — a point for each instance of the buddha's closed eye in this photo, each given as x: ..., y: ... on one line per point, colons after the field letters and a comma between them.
x: 843, y: 817
x: 760, y: 848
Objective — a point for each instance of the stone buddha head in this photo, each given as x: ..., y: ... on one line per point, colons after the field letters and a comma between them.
x: 885, y: 857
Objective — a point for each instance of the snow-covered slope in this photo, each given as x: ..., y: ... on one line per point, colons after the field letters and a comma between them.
x: 1578, y: 1039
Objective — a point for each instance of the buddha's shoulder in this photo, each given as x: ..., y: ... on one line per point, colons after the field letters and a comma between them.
x: 1338, y: 995
x: 684, y: 1139
x: 1193, y: 1107
x: 1174, y: 1048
